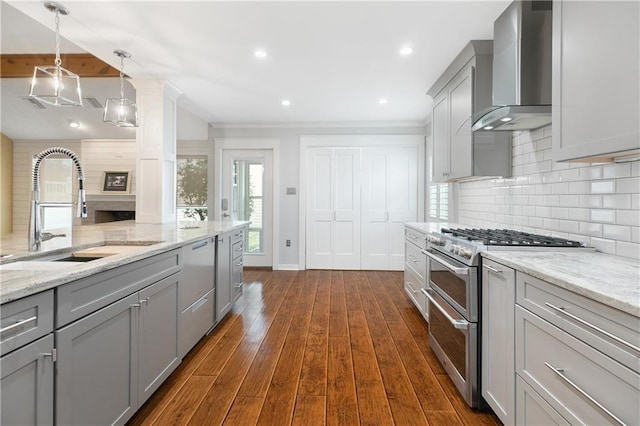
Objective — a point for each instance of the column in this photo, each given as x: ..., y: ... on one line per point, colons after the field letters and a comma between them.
x: 156, y: 162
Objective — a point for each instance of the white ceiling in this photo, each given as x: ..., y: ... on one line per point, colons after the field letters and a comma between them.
x: 333, y: 60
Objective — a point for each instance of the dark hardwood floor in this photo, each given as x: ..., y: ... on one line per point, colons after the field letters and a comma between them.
x: 313, y: 348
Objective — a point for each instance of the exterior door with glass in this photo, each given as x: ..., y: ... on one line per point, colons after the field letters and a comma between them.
x: 247, y: 194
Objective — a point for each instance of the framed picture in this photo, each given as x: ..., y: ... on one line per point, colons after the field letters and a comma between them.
x: 116, y: 182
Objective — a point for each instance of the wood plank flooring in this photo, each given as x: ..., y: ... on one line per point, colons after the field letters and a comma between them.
x: 313, y: 348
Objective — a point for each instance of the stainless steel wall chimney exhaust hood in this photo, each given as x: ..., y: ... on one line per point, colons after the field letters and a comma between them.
x: 521, y: 69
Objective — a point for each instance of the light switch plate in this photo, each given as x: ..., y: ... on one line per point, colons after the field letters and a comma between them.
x: 291, y: 190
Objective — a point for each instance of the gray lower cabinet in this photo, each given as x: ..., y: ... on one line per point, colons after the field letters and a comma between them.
x: 223, y: 275
x: 498, y: 339
x: 237, y: 265
x: 27, y: 384
x: 111, y: 361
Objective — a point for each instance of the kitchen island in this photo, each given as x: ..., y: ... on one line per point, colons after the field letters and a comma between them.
x: 115, y: 327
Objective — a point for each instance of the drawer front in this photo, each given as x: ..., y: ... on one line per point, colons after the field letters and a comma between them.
x: 197, y: 319
x: 532, y: 409
x: 237, y: 278
x: 579, y: 382
x: 416, y: 237
x: 416, y: 260
x: 586, y: 319
x: 197, y: 272
x: 87, y: 295
x: 412, y: 286
x: 25, y: 320
x: 237, y: 235
x: 237, y: 249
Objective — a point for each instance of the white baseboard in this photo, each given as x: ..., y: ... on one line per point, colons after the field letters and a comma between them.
x: 288, y: 267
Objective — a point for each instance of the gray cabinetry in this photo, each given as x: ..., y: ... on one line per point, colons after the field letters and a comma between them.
x: 415, y: 269
x: 498, y: 339
x: 26, y: 341
x: 223, y: 275
x: 27, y: 384
x: 463, y: 90
x: 579, y: 357
x: 596, y: 112
x: 197, y: 304
x: 237, y: 250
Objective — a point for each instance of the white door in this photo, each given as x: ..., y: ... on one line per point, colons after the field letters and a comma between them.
x: 333, y: 209
x: 389, y: 198
x: 247, y: 187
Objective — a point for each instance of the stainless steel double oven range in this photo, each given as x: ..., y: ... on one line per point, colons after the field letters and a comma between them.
x: 453, y: 270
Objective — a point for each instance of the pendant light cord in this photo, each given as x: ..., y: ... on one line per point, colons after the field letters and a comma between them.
x: 121, y: 76
x: 58, y: 61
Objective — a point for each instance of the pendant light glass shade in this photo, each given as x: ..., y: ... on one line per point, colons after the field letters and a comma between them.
x: 55, y: 85
x: 121, y: 111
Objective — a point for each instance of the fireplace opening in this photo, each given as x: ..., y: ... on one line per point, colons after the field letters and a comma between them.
x: 103, y: 216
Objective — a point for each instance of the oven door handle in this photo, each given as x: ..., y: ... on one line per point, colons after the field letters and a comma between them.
x: 456, y: 270
x: 459, y: 324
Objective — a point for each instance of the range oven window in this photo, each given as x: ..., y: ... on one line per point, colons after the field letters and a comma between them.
x: 451, y: 340
x: 451, y: 284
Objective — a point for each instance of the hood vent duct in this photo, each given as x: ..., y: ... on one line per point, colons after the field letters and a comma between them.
x: 521, y: 69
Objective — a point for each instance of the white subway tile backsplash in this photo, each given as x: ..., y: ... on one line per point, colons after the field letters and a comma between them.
x: 605, y: 246
x: 629, y: 186
x: 602, y: 215
x: 616, y: 170
x: 628, y: 217
x: 626, y: 249
x: 596, y: 203
x: 617, y: 201
x: 603, y: 187
x: 617, y: 232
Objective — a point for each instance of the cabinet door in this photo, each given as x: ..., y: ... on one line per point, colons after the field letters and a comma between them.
x: 595, y: 85
x: 440, y: 132
x: 460, y: 136
x: 158, y: 341
x: 27, y: 384
x: 223, y: 275
x: 96, y: 374
x: 498, y: 337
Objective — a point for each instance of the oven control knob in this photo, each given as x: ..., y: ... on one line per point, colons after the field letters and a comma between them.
x: 465, y: 252
x: 455, y: 249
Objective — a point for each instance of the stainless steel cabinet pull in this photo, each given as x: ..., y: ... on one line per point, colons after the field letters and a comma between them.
x: 560, y: 373
x: 412, y: 236
x: 492, y: 269
x: 459, y: 324
x: 452, y: 268
x: 18, y: 324
x: 136, y: 305
x: 593, y: 327
x: 238, y: 285
x: 144, y: 301
x: 196, y: 246
x: 198, y: 304
x: 53, y: 354
x: 411, y: 258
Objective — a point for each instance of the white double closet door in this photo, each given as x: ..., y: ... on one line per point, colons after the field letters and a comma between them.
x: 357, y: 200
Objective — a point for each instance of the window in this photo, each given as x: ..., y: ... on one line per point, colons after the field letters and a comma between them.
x: 56, y: 193
x: 439, y: 201
x: 192, y: 188
x: 248, y: 187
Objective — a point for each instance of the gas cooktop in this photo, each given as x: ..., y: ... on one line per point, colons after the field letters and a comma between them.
x: 507, y: 237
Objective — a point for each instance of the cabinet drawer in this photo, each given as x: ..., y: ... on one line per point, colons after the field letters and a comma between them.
x: 532, y: 409
x: 82, y: 297
x: 25, y: 320
x: 416, y: 237
x: 613, y: 332
x: 412, y: 286
x: 197, y: 319
x: 237, y: 250
x: 415, y: 259
x: 564, y: 370
x: 197, y: 271
x: 236, y: 279
x: 237, y: 235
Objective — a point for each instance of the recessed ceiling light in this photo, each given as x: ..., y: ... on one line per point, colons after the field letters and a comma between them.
x: 488, y: 127
x: 74, y: 124
x: 506, y: 119
x: 286, y: 102
x: 382, y: 101
x: 407, y: 50
x: 260, y: 53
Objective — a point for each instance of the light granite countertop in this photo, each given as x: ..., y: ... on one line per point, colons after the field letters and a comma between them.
x: 611, y: 280
x: 22, y: 274
x: 433, y: 226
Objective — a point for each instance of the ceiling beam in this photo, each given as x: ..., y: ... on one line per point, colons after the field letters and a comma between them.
x: 83, y: 64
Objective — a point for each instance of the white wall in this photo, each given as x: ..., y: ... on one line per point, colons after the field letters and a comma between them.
x: 594, y: 203
x: 290, y: 169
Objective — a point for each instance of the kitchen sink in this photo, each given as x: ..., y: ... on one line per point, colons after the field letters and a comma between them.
x: 74, y: 258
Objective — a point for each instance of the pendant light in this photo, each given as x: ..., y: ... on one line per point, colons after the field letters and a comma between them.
x: 55, y: 85
x: 121, y: 111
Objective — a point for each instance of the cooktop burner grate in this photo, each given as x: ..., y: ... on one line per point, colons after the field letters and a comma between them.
x: 507, y: 237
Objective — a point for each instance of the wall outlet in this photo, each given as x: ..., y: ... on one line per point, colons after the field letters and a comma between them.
x: 291, y: 190
x: 288, y: 243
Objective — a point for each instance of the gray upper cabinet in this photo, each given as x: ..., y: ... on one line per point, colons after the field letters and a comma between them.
x: 596, y: 64
x: 464, y: 89
x: 27, y: 384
